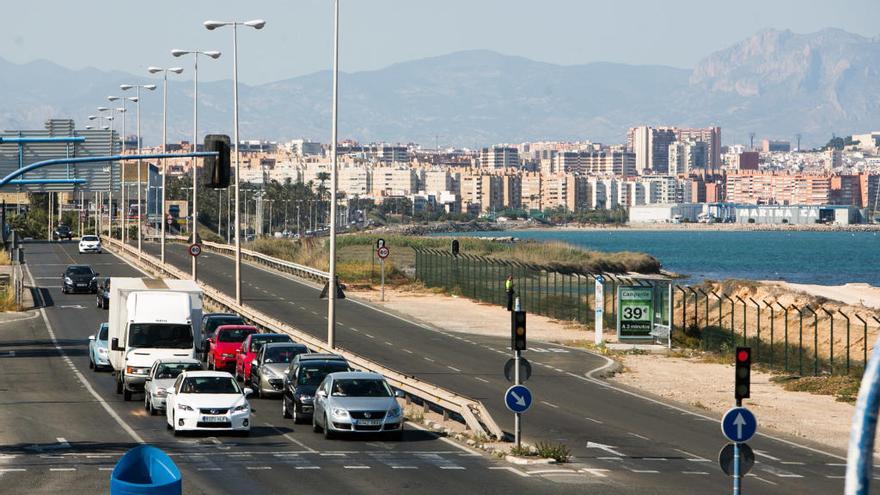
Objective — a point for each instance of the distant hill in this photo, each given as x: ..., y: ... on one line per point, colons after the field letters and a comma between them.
x: 775, y: 83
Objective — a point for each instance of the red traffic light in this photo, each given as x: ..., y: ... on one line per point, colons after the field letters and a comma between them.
x: 742, y: 355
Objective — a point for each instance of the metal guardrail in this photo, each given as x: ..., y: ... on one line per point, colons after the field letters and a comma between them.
x: 473, y: 412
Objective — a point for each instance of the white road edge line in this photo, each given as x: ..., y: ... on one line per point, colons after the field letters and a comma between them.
x: 294, y: 440
x: 509, y: 468
x: 609, y: 362
x: 82, y: 379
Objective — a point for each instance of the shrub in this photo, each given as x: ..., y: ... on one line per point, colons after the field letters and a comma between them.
x: 557, y: 451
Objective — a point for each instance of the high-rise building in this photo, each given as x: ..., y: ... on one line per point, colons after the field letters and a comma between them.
x: 768, y: 146
x: 709, y: 135
x: 651, y: 148
x: 688, y: 157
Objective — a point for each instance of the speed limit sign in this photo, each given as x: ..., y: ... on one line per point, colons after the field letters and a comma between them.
x: 195, y: 249
x: 383, y: 252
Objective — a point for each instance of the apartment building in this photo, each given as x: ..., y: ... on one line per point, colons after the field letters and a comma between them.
x: 393, y: 181
x: 499, y: 157
x: 651, y: 148
x: 687, y: 157
x: 709, y: 135
x: 769, y: 146
x: 613, y: 161
x: 791, y: 189
x: 530, y: 191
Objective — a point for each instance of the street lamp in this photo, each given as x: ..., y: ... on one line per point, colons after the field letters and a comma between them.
x: 331, y: 287
x: 164, y: 71
x: 210, y: 26
x: 137, y: 100
x: 102, y: 110
x: 123, y: 209
x: 195, y: 53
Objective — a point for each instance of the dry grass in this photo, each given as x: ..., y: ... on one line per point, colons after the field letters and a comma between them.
x: 7, y: 300
x: 4, y: 258
x: 843, y: 388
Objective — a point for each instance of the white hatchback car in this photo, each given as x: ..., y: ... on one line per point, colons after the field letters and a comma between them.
x: 207, y: 401
x: 89, y: 244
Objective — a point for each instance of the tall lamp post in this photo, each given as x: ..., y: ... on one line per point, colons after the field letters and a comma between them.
x: 123, y: 207
x: 164, y: 71
x: 195, y: 53
x: 331, y: 288
x: 137, y: 100
x: 210, y: 26
x: 110, y: 119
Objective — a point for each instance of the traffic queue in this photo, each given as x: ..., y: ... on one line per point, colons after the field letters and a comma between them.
x: 199, y: 370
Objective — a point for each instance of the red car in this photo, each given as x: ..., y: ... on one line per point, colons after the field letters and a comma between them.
x: 249, y: 349
x: 225, y: 343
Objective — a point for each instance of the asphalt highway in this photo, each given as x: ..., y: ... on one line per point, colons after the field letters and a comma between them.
x: 63, y: 427
x: 618, y: 436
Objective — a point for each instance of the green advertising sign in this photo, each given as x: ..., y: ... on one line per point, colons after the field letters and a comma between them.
x: 635, y: 312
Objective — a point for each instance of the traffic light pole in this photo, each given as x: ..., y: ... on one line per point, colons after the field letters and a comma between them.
x: 517, y: 355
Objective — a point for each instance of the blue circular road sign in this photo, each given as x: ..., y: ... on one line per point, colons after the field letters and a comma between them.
x: 739, y: 425
x: 518, y: 398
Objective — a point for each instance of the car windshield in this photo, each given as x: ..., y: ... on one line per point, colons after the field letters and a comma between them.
x: 79, y: 270
x: 257, y: 344
x: 90, y: 238
x: 217, y: 321
x: 171, y: 370
x: 312, y: 375
x: 282, y: 354
x: 102, y: 333
x: 209, y: 385
x: 354, y: 387
x: 160, y: 335
x: 234, y: 334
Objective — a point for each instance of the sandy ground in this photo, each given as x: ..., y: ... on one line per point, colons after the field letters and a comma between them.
x: 459, y: 314
x: 852, y: 294
x: 699, y: 384
x: 708, y: 386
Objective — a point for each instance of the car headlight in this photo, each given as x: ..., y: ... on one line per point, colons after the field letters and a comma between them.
x: 133, y: 370
x: 242, y: 407
x: 161, y: 392
x: 340, y: 413
x: 184, y: 407
x: 102, y: 351
x: 394, y: 412
x: 68, y: 280
x: 304, y: 398
x: 271, y: 374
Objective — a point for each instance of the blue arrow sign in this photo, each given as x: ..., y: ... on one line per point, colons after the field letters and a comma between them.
x: 739, y: 425
x: 518, y: 398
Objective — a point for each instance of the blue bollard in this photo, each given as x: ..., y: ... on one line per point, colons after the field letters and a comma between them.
x: 145, y: 470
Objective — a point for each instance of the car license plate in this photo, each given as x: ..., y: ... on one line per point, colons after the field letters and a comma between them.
x: 80, y: 285
x: 214, y: 419
x: 369, y: 422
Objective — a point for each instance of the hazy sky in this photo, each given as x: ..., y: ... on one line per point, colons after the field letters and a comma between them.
x: 131, y: 35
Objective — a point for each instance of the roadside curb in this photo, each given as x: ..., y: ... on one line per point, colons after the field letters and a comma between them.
x: 528, y: 461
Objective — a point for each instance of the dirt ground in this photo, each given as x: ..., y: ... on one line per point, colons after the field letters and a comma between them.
x: 696, y: 383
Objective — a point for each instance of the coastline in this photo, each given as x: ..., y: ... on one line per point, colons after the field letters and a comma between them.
x: 695, y: 227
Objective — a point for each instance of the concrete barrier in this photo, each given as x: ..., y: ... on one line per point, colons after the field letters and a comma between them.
x: 473, y: 412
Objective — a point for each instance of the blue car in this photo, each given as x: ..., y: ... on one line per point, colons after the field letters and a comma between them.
x: 99, y: 355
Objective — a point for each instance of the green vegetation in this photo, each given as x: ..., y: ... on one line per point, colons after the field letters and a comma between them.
x: 521, y: 451
x: 357, y: 263
x: 838, y: 143
x: 556, y: 451
x: 843, y: 388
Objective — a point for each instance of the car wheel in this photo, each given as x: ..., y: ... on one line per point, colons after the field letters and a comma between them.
x: 126, y: 394
x: 91, y: 363
x: 315, y: 427
x: 147, y: 402
x: 174, y: 426
x: 284, y: 412
x: 328, y: 435
x: 118, y: 386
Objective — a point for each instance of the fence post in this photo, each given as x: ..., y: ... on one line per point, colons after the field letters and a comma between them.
x: 757, y: 329
x: 732, y: 319
x: 580, y: 302
x: 696, y: 307
x: 800, y: 340
x: 785, y: 346
x: 845, y: 317
x: 684, y: 305
x: 815, y: 341
x: 830, y: 342
x: 707, y: 304
x: 772, y: 324
x: 745, y: 317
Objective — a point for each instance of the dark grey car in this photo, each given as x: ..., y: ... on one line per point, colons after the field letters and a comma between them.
x: 305, y: 373
x: 270, y: 365
x: 79, y: 278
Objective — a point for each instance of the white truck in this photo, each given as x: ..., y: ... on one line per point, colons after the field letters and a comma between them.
x: 151, y: 319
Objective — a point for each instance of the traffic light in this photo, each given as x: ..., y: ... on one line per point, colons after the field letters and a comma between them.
x: 217, y: 167
x: 518, y: 330
x: 455, y: 247
x: 743, y: 373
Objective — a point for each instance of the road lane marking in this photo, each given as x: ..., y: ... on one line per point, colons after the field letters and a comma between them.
x: 481, y: 379
x: 369, y: 336
x: 594, y: 420
x: 429, y: 359
x: 407, y: 351
x: 62, y: 469
x: 404, y: 467
x: 294, y: 440
x: 388, y: 343
x: 307, y: 467
x: 793, y: 463
x: 12, y: 470
x: 596, y: 472
x: 768, y: 456
x: 82, y: 379
x: 554, y: 406
x: 750, y: 475
x: 453, y: 467
x: 638, y: 436
x: 645, y: 471
x: 694, y: 472
x: 208, y: 469
x: 453, y: 368
x: 356, y: 467
x: 693, y: 457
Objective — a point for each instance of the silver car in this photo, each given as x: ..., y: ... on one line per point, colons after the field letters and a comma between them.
x: 270, y: 366
x: 161, y: 379
x: 357, y: 402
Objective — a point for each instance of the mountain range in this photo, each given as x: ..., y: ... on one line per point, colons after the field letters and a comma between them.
x: 775, y: 83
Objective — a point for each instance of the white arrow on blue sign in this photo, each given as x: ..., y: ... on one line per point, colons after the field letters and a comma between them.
x: 518, y: 398
x: 739, y: 424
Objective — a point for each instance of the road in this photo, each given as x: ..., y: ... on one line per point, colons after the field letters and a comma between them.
x: 647, y: 442
x: 63, y: 427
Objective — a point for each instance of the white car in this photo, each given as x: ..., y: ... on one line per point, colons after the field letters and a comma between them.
x: 207, y: 401
x: 89, y: 244
x: 161, y: 378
